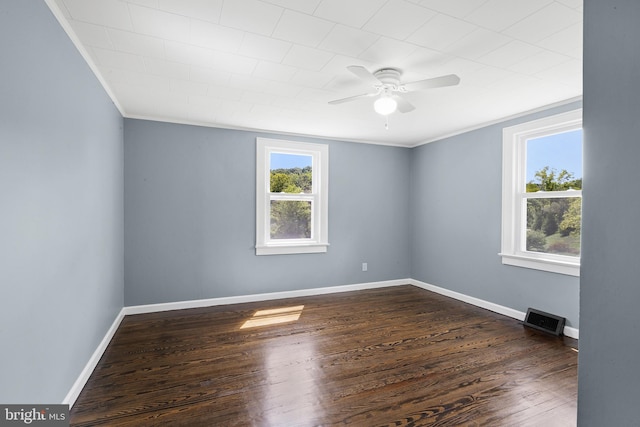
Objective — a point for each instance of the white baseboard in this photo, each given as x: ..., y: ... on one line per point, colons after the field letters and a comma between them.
x: 82, y: 379
x: 152, y: 308
x: 496, y: 308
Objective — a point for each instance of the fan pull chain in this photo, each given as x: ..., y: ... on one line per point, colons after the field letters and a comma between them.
x: 386, y: 122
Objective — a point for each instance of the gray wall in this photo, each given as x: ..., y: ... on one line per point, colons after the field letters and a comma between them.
x: 190, y: 216
x: 61, y: 243
x: 610, y: 284
x: 456, y: 207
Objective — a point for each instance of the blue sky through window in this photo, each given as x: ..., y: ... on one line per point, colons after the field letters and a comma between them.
x: 288, y: 161
x: 559, y: 151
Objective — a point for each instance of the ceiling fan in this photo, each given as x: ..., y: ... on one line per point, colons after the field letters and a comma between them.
x: 387, y: 87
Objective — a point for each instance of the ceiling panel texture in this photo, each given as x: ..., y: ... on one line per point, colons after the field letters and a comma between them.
x: 274, y: 65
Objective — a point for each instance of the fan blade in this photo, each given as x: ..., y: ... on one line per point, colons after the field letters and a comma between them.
x: 364, y: 74
x: 442, y: 81
x: 404, y: 106
x: 352, y: 98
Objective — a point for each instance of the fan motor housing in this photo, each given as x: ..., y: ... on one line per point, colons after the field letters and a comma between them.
x: 389, y: 76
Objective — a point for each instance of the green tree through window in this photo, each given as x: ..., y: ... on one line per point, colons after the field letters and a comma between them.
x: 553, y: 224
x: 291, y: 219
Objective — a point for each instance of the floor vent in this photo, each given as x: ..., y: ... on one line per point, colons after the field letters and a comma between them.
x: 544, y: 321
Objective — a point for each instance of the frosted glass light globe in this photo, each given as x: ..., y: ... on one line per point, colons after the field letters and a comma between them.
x: 385, y: 105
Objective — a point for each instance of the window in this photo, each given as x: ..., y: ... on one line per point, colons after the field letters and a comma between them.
x: 291, y: 197
x: 542, y: 194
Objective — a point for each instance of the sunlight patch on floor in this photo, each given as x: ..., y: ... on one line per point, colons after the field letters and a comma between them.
x: 273, y: 316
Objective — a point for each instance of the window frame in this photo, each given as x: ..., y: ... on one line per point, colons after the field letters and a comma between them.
x: 319, y: 197
x: 514, y: 195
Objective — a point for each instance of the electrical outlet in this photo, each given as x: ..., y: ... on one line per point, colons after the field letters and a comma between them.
x: 364, y: 266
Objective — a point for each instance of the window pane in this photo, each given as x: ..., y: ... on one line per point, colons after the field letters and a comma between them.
x: 553, y: 225
x: 554, y: 162
x: 290, y: 173
x: 290, y: 219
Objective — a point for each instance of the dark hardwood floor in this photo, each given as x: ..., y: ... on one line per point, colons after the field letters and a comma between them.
x: 399, y: 356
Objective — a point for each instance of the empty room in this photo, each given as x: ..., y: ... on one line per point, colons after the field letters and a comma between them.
x: 319, y: 212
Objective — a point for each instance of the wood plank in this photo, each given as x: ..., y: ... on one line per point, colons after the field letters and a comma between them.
x: 398, y: 356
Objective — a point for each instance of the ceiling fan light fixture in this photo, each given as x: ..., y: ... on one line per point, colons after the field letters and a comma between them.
x: 389, y: 91
x: 385, y: 105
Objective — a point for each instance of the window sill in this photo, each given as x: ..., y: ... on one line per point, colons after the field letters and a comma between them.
x: 552, y: 266
x: 312, y: 248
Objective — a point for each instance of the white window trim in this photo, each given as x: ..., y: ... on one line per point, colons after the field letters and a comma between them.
x: 514, y: 179
x: 319, y: 196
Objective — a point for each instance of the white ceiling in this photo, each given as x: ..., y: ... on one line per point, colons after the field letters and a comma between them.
x: 273, y: 65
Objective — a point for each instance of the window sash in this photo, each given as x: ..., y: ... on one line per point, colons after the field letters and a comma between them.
x: 521, y: 221
x: 313, y: 198
x: 551, y: 194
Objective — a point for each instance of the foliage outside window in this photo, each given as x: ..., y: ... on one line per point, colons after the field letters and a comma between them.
x: 542, y: 194
x: 291, y: 197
